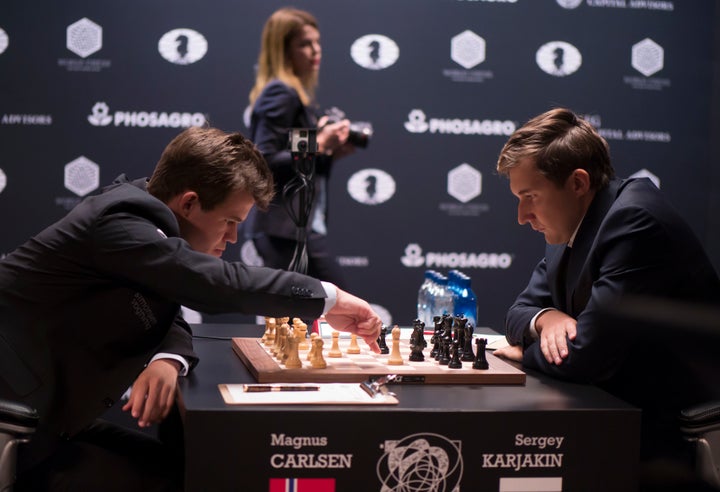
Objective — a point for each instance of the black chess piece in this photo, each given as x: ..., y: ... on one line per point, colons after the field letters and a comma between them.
x: 467, y: 355
x: 445, y: 351
x: 459, y: 329
x: 480, y: 360
x: 455, y: 362
x: 447, y: 322
x: 435, y: 339
x: 384, y: 349
x: 417, y: 342
x: 416, y: 353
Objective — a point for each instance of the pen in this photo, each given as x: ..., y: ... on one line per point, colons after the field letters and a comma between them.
x: 257, y: 388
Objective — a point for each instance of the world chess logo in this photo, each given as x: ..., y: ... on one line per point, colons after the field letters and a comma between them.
x: 100, y: 115
x: 374, y: 52
x: 467, y: 49
x: 371, y: 186
x: 569, y: 4
x: 464, y: 183
x: 82, y: 176
x: 558, y: 58
x: 3, y: 180
x: 4, y: 41
x: 648, y: 57
x: 182, y: 46
x: 417, y: 121
x: 423, y: 462
x: 84, y: 37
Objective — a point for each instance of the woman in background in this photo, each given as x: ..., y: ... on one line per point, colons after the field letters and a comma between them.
x: 282, y: 98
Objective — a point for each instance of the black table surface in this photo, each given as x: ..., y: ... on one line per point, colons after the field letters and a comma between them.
x: 220, y: 365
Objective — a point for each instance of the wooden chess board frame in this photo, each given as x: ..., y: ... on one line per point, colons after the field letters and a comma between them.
x: 356, y: 368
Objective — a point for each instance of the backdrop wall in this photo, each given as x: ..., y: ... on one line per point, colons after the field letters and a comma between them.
x: 89, y: 90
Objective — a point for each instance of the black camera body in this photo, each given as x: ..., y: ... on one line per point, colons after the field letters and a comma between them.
x: 360, y: 131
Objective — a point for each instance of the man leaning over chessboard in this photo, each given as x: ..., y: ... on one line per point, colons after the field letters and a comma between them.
x: 91, y: 305
x: 607, y: 239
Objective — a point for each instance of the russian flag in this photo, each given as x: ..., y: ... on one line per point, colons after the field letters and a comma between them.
x: 302, y: 485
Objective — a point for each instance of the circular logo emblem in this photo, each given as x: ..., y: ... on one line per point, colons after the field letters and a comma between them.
x: 569, y: 4
x: 558, y: 58
x: 4, y: 41
x: 371, y: 186
x: 374, y: 51
x: 182, y: 46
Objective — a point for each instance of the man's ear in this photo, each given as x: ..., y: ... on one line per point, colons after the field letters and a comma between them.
x: 580, y: 181
x: 187, y: 202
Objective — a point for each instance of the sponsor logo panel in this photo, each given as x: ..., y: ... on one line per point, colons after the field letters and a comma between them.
x: 101, y: 116
x: 415, y: 258
x: 84, y: 38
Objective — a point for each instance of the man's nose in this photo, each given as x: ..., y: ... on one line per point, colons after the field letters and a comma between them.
x: 522, y: 215
x: 231, y: 235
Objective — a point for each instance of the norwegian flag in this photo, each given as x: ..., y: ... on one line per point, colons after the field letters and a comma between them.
x: 302, y: 485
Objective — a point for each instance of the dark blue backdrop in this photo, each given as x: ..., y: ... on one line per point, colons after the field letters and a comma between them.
x: 86, y: 93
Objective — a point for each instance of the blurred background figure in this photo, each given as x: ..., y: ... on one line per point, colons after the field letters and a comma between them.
x: 282, y: 98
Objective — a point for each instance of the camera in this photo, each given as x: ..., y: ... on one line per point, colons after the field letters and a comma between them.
x: 303, y: 141
x: 360, y: 131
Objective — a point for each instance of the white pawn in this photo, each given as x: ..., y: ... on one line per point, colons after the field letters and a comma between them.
x: 301, y: 333
x: 311, y: 352
x: 395, y: 358
x: 318, y: 362
x: 354, y: 348
x: 335, y: 349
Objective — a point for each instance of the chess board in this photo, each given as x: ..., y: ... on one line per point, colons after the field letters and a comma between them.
x: 358, y: 367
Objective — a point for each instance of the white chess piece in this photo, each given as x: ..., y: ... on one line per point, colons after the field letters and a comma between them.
x: 395, y: 358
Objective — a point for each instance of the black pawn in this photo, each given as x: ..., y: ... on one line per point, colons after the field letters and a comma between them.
x: 381, y: 340
x: 480, y: 360
x: 445, y: 351
x: 455, y: 362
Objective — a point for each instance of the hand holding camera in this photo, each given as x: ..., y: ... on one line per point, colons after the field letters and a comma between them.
x: 333, y: 136
x: 358, y: 133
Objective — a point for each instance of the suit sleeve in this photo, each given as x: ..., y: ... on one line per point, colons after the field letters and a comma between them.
x: 179, y: 341
x: 532, y: 300
x: 634, y: 254
x: 130, y: 246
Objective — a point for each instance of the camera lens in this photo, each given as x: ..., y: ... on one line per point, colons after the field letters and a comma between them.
x: 360, y: 133
x: 302, y: 145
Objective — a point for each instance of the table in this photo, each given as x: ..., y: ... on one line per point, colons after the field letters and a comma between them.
x: 544, y: 435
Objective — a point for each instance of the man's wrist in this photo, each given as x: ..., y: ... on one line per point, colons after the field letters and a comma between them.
x: 331, y: 296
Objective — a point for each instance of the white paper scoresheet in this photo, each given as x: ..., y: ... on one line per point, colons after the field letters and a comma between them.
x: 326, y: 393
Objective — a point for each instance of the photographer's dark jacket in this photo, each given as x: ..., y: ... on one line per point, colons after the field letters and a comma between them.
x: 275, y: 112
x: 87, y: 302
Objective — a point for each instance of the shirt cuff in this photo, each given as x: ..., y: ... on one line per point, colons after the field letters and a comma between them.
x: 331, y: 296
x: 185, y: 366
x: 533, y: 331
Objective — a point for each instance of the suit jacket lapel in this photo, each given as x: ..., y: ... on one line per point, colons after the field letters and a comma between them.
x: 578, y: 292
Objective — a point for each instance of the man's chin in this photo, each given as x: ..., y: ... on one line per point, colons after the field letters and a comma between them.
x: 549, y: 239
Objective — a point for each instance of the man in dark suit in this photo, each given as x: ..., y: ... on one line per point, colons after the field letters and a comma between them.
x: 607, y: 240
x: 91, y: 305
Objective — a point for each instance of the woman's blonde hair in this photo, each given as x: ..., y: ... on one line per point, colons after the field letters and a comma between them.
x: 273, y: 62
